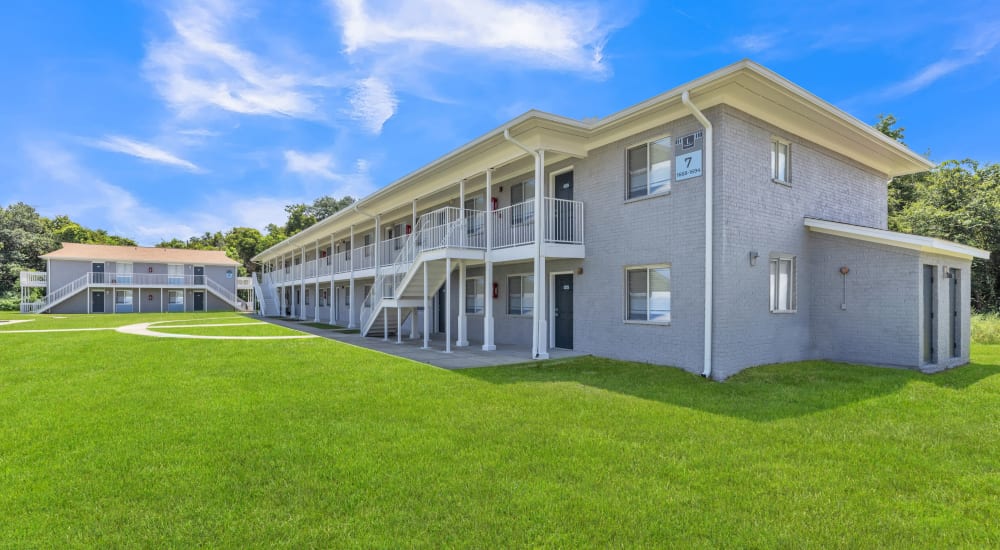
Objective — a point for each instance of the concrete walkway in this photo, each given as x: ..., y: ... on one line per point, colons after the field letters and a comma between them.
x: 459, y: 358
x: 142, y: 329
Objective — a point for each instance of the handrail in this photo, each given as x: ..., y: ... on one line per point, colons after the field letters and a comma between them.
x: 56, y: 296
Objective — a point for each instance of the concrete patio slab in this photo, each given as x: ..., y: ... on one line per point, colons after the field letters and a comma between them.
x: 469, y: 357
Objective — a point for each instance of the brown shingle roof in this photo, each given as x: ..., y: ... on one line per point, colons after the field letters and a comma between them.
x: 138, y: 254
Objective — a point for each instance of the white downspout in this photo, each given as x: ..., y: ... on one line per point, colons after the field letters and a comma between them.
x: 539, y: 342
x: 709, y: 274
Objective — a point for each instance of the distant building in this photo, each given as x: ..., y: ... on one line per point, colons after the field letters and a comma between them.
x: 87, y: 278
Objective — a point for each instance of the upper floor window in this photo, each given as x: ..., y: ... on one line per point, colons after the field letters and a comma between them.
x: 649, y: 168
x: 782, y: 283
x: 520, y: 197
x: 780, y: 161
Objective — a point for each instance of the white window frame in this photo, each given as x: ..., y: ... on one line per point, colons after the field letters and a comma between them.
x: 175, y: 274
x: 479, y: 291
x: 128, y: 299
x: 525, y: 214
x: 474, y: 223
x: 123, y: 273
x: 666, y: 188
x: 774, y: 283
x: 649, y: 299
x: 172, y: 302
x: 776, y: 145
x: 522, y: 311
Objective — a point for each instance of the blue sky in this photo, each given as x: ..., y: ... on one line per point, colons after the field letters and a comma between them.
x: 162, y: 119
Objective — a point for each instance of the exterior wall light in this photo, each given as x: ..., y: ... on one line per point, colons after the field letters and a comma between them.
x: 753, y: 258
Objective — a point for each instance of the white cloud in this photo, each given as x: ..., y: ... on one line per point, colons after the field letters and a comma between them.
x: 372, y: 103
x: 143, y: 150
x: 311, y: 164
x: 535, y: 33
x: 199, y: 68
x: 755, y: 43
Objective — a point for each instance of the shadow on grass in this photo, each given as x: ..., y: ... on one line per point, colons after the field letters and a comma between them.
x: 759, y: 394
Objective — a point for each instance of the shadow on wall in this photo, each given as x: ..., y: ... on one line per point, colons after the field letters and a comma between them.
x: 759, y: 394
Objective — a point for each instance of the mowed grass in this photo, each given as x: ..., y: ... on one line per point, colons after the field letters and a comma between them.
x: 109, y: 439
x: 234, y: 329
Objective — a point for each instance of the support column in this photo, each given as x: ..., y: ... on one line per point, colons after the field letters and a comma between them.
x: 540, y: 341
x: 427, y: 314
x: 463, y: 321
x: 463, y: 236
x: 316, y: 308
x: 488, y: 344
x: 333, y: 269
x: 447, y: 305
x: 350, y: 290
x: 385, y: 322
x: 399, y: 325
x: 302, y: 283
x: 413, y: 313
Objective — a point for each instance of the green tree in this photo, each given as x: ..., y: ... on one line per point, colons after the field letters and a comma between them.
x: 299, y: 218
x: 326, y: 206
x: 243, y: 243
x: 887, y: 125
x: 24, y: 236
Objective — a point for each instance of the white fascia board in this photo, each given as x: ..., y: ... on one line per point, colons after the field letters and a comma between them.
x: 892, y: 238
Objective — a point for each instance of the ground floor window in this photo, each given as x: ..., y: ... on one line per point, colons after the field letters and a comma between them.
x: 647, y: 293
x: 520, y: 294
x: 322, y: 297
x: 175, y: 300
x: 782, y: 283
x: 475, y: 295
x: 307, y: 296
x: 123, y: 301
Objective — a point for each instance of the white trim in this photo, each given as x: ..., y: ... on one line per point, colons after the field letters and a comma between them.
x: 649, y: 170
x: 506, y: 300
x: 649, y: 298
x: 892, y: 238
x: 552, y: 304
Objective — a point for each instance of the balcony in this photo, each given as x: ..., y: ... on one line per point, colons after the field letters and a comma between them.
x: 34, y: 279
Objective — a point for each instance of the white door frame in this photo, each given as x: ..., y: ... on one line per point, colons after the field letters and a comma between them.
x: 552, y: 303
x: 552, y: 179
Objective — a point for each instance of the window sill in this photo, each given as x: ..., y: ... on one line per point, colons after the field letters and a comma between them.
x: 784, y: 311
x: 782, y: 182
x: 648, y: 197
x: 652, y: 323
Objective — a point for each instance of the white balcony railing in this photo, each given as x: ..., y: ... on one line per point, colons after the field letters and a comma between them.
x: 563, y: 221
x: 34, y: 278
x: 364, y: 257
x: 389, y: 249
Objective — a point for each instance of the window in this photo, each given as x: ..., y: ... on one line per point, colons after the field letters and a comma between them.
x: 123, y: 273
x: 474, y: 221
x: 649, y: 168
x: 520, y: 294
x: 368, y: 241
x: 521, y: 195
x: 307, y: 296
x: 123, y: 301
x: 475, y: 295
x: 175, y: 275
x: 175, y: 300
x: 322, y: 297
x: 782, y: 283
x: 780, y: 161
x: 647, y: 294
x: 347, y: 296
x: 394, y: 232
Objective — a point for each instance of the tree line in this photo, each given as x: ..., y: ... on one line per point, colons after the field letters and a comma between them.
x: 25, y: 235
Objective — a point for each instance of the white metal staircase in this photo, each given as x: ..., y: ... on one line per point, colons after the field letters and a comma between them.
x: 57, y: 296
x: 267, y: 300
x: 401, y: 285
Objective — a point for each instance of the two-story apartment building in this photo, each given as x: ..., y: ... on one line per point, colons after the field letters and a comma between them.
x: 736, y: 220
x: 87, y: 278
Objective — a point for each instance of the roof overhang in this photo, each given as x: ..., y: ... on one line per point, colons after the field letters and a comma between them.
x: 892, y: 238
x: 745, y: 85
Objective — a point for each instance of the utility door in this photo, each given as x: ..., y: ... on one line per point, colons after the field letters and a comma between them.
x: 199, y: 301
x: 97, y: 300
x: 98, y: 270
x: 930, y: 313
x: 562, y: 212
x: 954, y: 325
x: 563, y: 300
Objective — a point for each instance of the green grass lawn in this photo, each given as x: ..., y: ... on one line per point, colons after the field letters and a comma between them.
x: 109, y: 439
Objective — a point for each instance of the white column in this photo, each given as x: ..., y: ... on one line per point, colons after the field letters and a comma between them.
x: 302, y: 283
x: 385, y: 322
x: 350, y: 289
x: 413, y: 312
x: 316, y: 297
x: 488, y: 280
x: 461, y: 211
x: 540, y: 346
x: 377, y: 239
x: 427, y: 313
x: 447, y: 305
x: 463, y: 322
x: 399, y: 325
x: 332, y: 295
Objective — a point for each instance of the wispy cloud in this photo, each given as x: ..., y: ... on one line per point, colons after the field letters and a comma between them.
x: 148, y: 151
x: 372, y: 103
x: 971, y: 49
x: 199, y: 68
x: 755, y: 43
x: 318, y: 165
x: 535, y: 33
